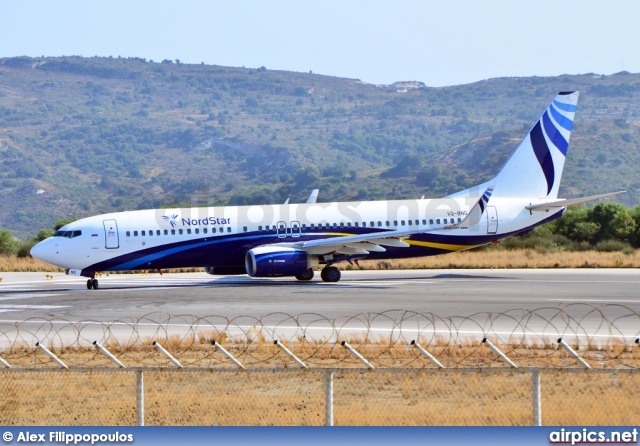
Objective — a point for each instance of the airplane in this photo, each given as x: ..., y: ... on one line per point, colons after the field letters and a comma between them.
x: 292, y: 239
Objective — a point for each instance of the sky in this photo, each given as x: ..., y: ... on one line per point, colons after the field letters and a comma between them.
x: 439, y: 43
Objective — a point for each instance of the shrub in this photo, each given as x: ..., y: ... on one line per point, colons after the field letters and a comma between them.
x: 611, y: 246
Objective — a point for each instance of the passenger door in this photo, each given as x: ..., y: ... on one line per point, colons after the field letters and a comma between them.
x: 111, y: 239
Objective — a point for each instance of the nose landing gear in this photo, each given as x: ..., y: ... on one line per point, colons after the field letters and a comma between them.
x: 92, y: 283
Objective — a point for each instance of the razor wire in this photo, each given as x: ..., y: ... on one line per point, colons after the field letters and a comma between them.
x: 605, y: 336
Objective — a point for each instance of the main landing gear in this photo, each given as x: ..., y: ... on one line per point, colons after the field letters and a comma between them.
x: 92, y: 284
x: 307, y: 275
x: 330, y: 274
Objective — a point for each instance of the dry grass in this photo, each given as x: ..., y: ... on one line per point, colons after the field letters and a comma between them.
x: 464, y: 260
x: 511, y: 259
x: 419, y: 395
x: 297, y: 397
x: 25, y: 265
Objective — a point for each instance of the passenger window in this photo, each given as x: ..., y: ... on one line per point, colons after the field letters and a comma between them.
x: 135, y: 233
x: 188, y: 230
x: 142, y: 233
x: 173, y: 232
x: 431, y: 221
x: 388, y: 223
x: 395, y: 222
x: 304, y: 227
x: 342, y: 225
x: 213, y: 230
x: 221, y: 230
x: 348, y: 225
x: 150, y: 233
x: 205, y: 230
x: 180, y: 231
x: 196, y: 230
x: 379, y: 224
x: 437, y: 221
x: 128, y: 234
x: 228, y: 229
x: 355, y: 224
x: 409, y: 221
x: 244, y: 229
x: 371, y: 224
x: 424, y: 222
x: 402, y: 222
x: 166, y: 232
x: 259, y: 228
x: 459, y: 220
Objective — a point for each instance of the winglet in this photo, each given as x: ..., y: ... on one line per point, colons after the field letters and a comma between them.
x: 313, y: 196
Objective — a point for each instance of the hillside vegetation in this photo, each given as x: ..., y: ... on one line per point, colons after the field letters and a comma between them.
x: 81, y: 136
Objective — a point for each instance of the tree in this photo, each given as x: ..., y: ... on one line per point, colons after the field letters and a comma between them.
x: 623, y: 226
x: 604, y: 214
x: 8, y: 244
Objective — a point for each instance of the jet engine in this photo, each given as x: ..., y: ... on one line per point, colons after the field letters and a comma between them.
x: 274, y: 261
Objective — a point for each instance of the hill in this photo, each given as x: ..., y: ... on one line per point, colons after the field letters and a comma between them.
x: 81, y: 136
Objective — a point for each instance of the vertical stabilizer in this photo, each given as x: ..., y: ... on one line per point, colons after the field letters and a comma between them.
x: 535, y: 168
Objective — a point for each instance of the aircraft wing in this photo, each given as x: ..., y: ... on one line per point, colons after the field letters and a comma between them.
x: 571, y: 202
x: 375, y: 241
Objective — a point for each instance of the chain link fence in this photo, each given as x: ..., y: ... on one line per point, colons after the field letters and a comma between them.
x: 574, y: 365
x: 344, y: 397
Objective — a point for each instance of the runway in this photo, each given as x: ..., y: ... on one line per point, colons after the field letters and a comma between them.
x: 470, y: 302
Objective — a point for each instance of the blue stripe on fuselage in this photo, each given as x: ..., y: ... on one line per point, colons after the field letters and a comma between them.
x: 230, y: 250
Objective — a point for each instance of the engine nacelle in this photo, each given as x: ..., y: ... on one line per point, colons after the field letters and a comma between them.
x: 225, y: 270
x: 275, y: 261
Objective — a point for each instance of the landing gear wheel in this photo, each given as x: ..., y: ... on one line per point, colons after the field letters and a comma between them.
x: 330, y: 274
x: 89, y: 284
x: 95, y: 283
x: 307, y: 275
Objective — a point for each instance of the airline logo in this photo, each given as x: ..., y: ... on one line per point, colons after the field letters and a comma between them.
x: 550, y: 127
x: 485, y: 199
x: 173, y: 219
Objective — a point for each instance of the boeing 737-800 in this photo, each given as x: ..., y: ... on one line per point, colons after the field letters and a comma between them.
x: 291, y: 239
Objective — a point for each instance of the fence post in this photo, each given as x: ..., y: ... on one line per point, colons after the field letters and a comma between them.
x: 328, y: 398
x: 140, y: 397
x: 108, y: 354
x: 497, y: 351
x: 573, y: 353
x: 167, y: 354
x: 537, y: 404
x: 427, y: 354
x: 51, y: 355
x: 353, y: 351
x: 291, y: 355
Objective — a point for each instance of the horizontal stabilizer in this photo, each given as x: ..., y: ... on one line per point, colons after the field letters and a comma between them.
x: 573, y: 201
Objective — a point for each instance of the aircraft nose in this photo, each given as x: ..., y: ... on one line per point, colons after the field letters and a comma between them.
x: 42, y: 251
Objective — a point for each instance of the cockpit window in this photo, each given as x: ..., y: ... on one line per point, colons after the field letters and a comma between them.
x: 68, y: 234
